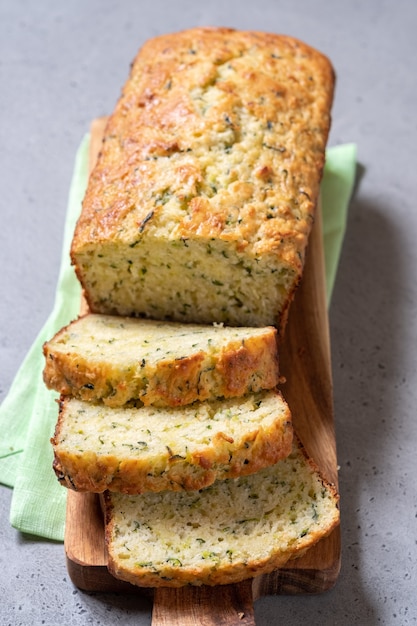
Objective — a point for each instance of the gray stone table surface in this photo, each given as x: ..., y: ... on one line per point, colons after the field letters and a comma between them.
x: 61, y: 65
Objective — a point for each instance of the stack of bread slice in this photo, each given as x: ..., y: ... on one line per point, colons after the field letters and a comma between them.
x: 202, y: 486
x: 189, y: 248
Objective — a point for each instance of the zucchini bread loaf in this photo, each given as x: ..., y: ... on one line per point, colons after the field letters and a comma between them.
x: 118, y: 360
x: 233, y: 530
x: 201, y: 204
x: 133, y: 450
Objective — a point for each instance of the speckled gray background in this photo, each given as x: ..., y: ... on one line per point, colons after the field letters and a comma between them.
x: 62, y: 64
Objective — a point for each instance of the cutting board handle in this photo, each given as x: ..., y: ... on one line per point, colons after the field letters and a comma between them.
x: 223, y: 605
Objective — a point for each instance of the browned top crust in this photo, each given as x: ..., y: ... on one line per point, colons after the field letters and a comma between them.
x: 159, y: 115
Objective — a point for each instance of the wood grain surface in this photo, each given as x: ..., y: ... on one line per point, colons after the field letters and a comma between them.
x: 306, y: 365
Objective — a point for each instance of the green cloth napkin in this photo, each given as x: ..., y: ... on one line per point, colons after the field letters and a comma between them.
x: 336, y: 190
x: 29, y: 411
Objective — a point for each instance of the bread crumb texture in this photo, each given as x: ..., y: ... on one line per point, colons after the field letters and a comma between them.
x: 232, y: 530
x: 203, y: 198
x: 121, y: 360
x: 134, y: 450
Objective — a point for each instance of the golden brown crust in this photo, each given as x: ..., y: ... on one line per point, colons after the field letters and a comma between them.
x: 148, y: 116
x: 239, y: 362
x: 145, y: 116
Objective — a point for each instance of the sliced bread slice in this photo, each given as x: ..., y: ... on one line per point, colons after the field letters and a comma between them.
x: 116, y: 360
x: 133, y: 450
x: 233, y: 530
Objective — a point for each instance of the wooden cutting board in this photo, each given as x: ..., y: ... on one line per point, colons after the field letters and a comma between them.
x: 305, y: 362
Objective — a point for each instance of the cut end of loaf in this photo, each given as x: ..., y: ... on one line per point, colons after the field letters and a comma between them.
x: 189, y: 281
